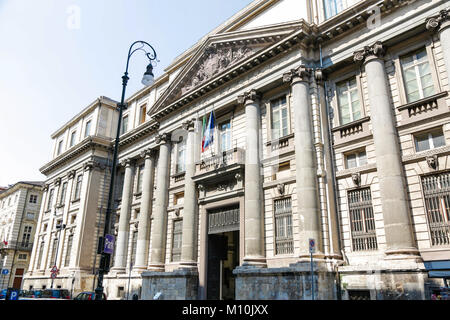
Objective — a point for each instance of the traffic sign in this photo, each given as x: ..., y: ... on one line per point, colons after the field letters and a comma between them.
x: 12, y: 294
x: 5, y: 271
x: 54, y: 270
x: 53, y: 275
x: 312, y: 245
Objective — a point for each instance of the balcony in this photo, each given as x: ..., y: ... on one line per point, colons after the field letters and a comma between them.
x: 14, y: 245
x: 223, y: 162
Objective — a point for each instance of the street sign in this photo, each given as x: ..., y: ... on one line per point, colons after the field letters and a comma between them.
x: 53, y: 275
x: 12, y: 294
x: 5, y: 271
x: 312, y: 245
x: 54, y: 269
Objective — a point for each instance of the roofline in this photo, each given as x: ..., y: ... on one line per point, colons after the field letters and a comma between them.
x: 15, y: 186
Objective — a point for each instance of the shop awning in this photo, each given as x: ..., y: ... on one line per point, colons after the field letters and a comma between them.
x: 438, y: 269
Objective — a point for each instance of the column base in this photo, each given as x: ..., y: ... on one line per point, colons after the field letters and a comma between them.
x: 139, y: 269
x: 156, y: 267
x: 256, y: 262
x: 188, y: 265
x: 404, y: 253
x: 118, y: 270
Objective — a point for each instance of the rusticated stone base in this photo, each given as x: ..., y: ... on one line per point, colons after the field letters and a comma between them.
x: 292, y: 283
x: 175, y: 285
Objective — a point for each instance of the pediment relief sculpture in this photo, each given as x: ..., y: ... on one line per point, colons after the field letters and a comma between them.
x: 215, y: 60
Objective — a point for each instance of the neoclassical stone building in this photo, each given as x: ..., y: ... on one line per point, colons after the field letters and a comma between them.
x: 19, y: 212
x: 331, y: 122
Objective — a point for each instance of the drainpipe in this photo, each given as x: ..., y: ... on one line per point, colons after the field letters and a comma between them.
x: 333, y: 173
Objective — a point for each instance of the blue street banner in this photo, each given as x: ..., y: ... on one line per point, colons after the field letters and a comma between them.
x: 109, y: 244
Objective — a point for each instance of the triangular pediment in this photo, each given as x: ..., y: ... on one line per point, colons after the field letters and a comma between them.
x: 218, y: 55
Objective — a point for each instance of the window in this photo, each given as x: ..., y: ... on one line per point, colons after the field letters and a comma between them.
x: 33, y: 198
x: 62, y: 196
x: 436, y: 191
x: 23, y: 256
x: 284, y: 242
x: 124, y: 124
x: 77, y: 193
x: 333, y: 7
x: 68, y: 250
x: 87, y: 128
x: 26, y: 236
x: 281, y: 170
x: 279, y: 118
x: 60, y: 146
x: 73, y: 136
x: 50, y: 199
x: 140, y: 178
x: 133, y: 247
x: 178, y: 198
x: 30, y: 215
x: 143, y: 113
x: 348, y: 101
x: 51, y: 263
x: 181, y: 156
x: 176, y: 239
x: 225, y: 136
x: 356, y: 159
x: 417, y: 75
x: 429, y: 140
x: 362, y: 220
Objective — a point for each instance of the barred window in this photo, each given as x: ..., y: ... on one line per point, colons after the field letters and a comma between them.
x: 436, y: 191
x: 41, y: 251
x: 176, y: 239
x: 133, y: 247
x: 284, y: 242
x: 362, y: 220
x: 68, y: 250
x: 53, y: 256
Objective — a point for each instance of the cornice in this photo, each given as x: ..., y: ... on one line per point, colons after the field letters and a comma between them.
x: 141, y: 131
x: 433, y: 23
x: 91, y: 142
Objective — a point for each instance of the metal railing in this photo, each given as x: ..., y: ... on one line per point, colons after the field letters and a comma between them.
x: 221, y: 160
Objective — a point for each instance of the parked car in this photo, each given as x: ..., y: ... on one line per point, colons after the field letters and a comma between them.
x: 3, y: 294
x: 55, y: 294
x: 88, y: 295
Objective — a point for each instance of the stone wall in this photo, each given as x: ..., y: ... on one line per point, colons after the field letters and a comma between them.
x: 176, y: 285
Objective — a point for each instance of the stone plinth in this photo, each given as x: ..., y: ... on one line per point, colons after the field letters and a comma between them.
x: 177, y: 285
x: 291, y: 283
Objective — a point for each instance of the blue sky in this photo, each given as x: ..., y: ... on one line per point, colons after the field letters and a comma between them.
x: 51, y: 66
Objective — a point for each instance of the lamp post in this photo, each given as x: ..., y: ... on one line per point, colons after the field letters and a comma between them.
x: 59, y: 227
x: 147, y: 80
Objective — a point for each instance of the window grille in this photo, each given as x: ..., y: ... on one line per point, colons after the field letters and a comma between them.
x: 176, y: 239
x: 284, y: 242
x: 362, y: 220
x: 436, y: 191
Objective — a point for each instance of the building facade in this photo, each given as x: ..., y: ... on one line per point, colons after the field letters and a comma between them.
x: 331, y: 124
x: 19, y: 212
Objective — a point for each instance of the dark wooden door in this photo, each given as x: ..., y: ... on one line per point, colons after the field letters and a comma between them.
x: 217, y: 250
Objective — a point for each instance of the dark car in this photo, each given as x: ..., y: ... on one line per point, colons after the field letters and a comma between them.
x: 3, y: 293
x: 88, y: 295
x: 55, y: 294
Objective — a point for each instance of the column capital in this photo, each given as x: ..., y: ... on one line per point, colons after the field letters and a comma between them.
x: 163, y: 138
x: 147, y: 153
x: 126, y: 162
x: 46, y: 186
x: 249, y: 97
x: 71, y: 174
x: 189, y: 125
x: 377, y: 50
x: 57, y: 181
x: 435, y: 22
x: 302, y: 73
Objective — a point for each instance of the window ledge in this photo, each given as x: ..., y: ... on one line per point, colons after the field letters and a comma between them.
x: 425, y: 102
x: 351, y: 125
x: 179, y: 176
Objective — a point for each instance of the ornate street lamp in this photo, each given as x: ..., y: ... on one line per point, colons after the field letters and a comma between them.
x: 147, y: 80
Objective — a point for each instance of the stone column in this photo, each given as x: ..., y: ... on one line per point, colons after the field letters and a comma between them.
x: 254, y: 253
x: 441, y: 24
x: 190, y: 212
x: 394, y: 200
x: 305, y: 161
x: 159, y: 225
x: 146, y: 210
x: 120, y: 259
